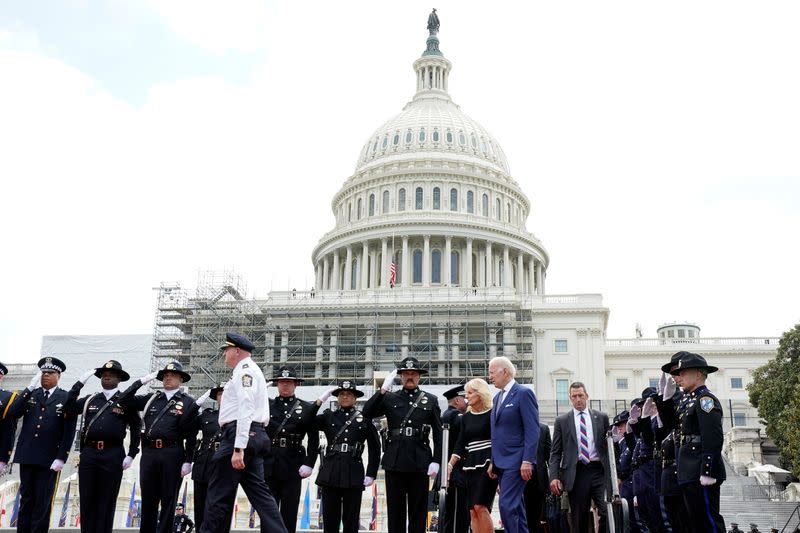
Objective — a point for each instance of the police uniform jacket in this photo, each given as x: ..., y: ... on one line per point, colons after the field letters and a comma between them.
x: 206, y: 422
x: 452, y: 416
x: 408, y: 448
x: 342, y: 465
x: 8, y: 425
x: 287, y: 454
x: 111, y: 427
x: 47, y: 429
x: 182, y: 524
x: 700, y: 453
x: 644, y: 476
x: 174, y: 426
x: 624, y: 465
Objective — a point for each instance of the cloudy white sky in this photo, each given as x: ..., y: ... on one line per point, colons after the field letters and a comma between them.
x: 145, y: 141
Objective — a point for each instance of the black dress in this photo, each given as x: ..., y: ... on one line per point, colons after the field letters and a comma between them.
x: 474, y: 446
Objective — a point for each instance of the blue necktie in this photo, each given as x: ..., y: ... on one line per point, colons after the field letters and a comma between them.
x: 584, y: 438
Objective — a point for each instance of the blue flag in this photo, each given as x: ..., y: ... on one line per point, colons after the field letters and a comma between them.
x: 62, y: 520
x: 15, y: 511
x: 305, y: 522
x: 131, y: 506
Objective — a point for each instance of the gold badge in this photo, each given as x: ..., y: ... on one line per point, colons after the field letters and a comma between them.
x: 109, y: 365
x: 247, y: 380
x: 170, y: 366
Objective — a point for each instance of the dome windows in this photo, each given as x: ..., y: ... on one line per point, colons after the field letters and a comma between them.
x: 422, y: 135
x: 435, y: 136
x: 473, y: 140
x: 449, y: 137
x: 385, y: 206
x: 374, y: 146
x: 470, y: 202
x: 401, y: 200
x: 483, y: 146
x: 437, y: 198
x: 485, y: 205
x: 436, y: 266
x: 358, y: 210
x: 409, y: 137
x: 418, y: 198
x: 453, y: 199
x: 462, y: 140
x: 396, y: 139
x: 498, y: 209
x: 417, y: 257
x: 385, y: 142
x: 371, y: 204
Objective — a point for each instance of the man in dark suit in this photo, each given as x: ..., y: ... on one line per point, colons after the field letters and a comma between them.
x: 515, y: 439
x: 456, y: 517
x: 536, y: 489
x: 578, y: 460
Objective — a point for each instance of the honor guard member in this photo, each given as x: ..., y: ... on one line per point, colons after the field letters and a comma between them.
x: 623, y: 449
x: 8, y: 424
x: 106, y: 419
x: 240, y: 458
x: 456, y: 515
x: 43, y: 445
x: 167, y: 444
x: 700, y: 468
x: 413, y: 417
x: 181, y: 523
x: 206, y: 422
x: 289, y: 463
x: 342, y: 476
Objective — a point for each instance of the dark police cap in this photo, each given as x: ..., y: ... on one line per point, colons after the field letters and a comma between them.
x: 287, y: 373
x: 411, y: 363
x: 347, y: 386
x: 674, y: 361
x: 622, y: 417
x: 238, y: 341
x: 649, y: 392
x: 175, y: 367
x: 693, y: 360
x: 455, y: 391
x: 216, y: 390
x: 112, y: 366
x: 3, y: 369
x: 51, y: 364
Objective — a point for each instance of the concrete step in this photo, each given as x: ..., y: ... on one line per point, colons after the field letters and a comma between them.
x: 767, y: 514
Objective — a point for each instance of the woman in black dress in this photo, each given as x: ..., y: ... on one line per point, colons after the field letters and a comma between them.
x: 474, y: 449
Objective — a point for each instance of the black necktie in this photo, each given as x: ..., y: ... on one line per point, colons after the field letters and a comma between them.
x: 46, y: 395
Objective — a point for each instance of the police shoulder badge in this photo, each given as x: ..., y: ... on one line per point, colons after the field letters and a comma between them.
x: 706, y: 404
x: 247, y: 380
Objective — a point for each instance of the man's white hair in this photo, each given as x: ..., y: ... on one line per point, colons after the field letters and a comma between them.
x: 505, y: 362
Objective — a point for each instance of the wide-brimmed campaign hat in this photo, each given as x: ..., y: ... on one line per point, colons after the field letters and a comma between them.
x: 216, y: 390
x: 51, y: 364
x: 693, y: 360
x: 287, y: 373
x: 649, y: 392
x: 176, y: 367
x: 674, y: 361
x: 112, y: 366
x: 347, y: 386
x: 3, y: 369
x: 411, y: 363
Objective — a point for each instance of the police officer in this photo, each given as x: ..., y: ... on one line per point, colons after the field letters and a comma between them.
x: 289, y: 463
x: 167, y: 444
x: 239, y: 460
x: 700, y: 468
x: 181, y: 523
x: 206, y: 422
x: 43, y: 445
x: 624, y: 442
x: 413, y: 417
x: 8, y: 424
x: 456, y: 514
x: 342, y: 476
x: 106, y: 418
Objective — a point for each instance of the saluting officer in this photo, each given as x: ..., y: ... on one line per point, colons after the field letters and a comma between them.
x: 342, y: 475
x: 239, y: 460
x: 8, y: 424
x: 105, y: 421
x: 206, y: 422
x: 413, y: 417
x: 289, y: 463
x: 624, y: 443
x: 181, y: 523
x: 167, y: 444
x: 43, y: 445
x: 456, y: 514
x: 700, y: 468
x: 646, y: 487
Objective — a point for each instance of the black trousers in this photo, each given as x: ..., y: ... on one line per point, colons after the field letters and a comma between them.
x: 37, y: 486
x: 534, y: 503
x: 406, y: 501
x: 160, y: 477
x: 99, y: 478
x: 676, y: 511
x: 287, y: 496
x: 340, y: 505
x: 225, y: 480
x: 590, y: 485
x: 200, y: 492
x: 456, y: 511
x: 702, y: 504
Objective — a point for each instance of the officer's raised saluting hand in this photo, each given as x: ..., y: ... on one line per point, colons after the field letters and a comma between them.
x: 204, y: 397
x: 148, y: 377
x: 36, y: 380
x: 325, y: 395
x: 388, y: 382
x: 86, y: 375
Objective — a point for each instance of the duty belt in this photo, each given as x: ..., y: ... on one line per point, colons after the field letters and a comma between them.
x: 101, y: 444
x: 691, y: 439
x: 160, y: 443
x: 407, y: 431
x: 344, y: 447
x: 289, y: 441
x: 667, y: 463
x: 253, y: 425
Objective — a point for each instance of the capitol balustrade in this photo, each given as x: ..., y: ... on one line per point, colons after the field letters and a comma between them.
x: 724, y: 343
x: 389, y: 297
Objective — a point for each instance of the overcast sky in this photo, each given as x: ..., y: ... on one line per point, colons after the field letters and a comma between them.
x: 145, y: 141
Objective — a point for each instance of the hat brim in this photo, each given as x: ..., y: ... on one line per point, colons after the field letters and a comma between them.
x: 123, y: 376
x: 215, y: 391
x: 357, y: 392
x: 666, y: 368
x: 419, y: 370
x: 186, y: 377
x: 298, y: 380
x: 708, y: 368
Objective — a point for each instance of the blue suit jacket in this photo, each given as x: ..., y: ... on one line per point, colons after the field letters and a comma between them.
x: 515, y: 428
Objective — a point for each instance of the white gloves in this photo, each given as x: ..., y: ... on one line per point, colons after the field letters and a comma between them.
x: 635, y: 501
x: 669, y: 388
x: 368, y: 481
x: 36, y: 381
x: 3, y: 467
x: 707, y: 481
x: 615, y: 434
x: 325, y: 395
x: 649, y: 408
x: 86, y: 375
x: 662, y: 382
x: 305, y: 471
x: 127, y: 462
x: 433, y: 469
x: 204, y: 397
x: 148, y: 378
x: 57, y: 465
x: 636, y: 412
x: 186, y: 469
x: 387, y: 383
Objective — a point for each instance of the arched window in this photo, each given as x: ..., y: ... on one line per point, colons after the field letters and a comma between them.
x: 358, y: 210
x: 353, y: 274
x: 436, y: 266
x: 374, y: 146
x: 409, y: 137
x: 422, y: 135
x: 396, y: 139
x: 385, y: 141
x: 417, y: 266
x: 371, y: 204
x: 454, y: 270
x: 437, y: 198
x: 449, y: 137
x: 349, y: 212
x: 498, y: 209
x: 470, y: 202
x: 485, y: 205
x: 401, y: 200
x: 508, y: 213
x: 385, y: 207
x: 473, y: 140
x: 436, y: 136
x: 418, y: 198
x: 453, y: 199
x: 461, y: 139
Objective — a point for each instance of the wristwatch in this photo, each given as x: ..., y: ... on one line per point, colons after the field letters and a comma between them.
x: 237, y: 450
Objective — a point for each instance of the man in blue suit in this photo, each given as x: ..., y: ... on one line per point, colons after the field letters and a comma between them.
x: 515, y: 438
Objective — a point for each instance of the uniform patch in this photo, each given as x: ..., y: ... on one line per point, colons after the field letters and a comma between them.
x: 246, y: 365
x: 247, y: 380
x: 706, y: 404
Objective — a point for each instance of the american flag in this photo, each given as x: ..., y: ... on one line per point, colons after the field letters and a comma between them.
x: 392, y: 274
x: 373, y: 523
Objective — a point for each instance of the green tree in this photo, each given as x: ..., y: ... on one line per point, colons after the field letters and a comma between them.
x: 775, y: 391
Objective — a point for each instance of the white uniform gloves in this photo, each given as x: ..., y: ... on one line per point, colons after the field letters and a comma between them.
x: 148, y: 378
x: 305, y: 471
x: 433, y: 469
x: 36, y: 381
x: 86, y: 375
x: 387, y: 383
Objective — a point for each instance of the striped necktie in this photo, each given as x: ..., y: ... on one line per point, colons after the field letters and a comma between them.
x: 584, y: 457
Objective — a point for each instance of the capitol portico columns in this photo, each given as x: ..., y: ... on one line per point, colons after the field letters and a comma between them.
x: 364, y: 266
x: 539, y: 288
x: 489, y: 265
x: 405, y: 276
x: 426, y: 261
x: 506, y: 268
x: 348, y: 268
x: 446, y: 274
x: 335, y: 280
x: 520, y: 274
x: 531, y: 276
x: 325, y: 267
x: 468, y: 262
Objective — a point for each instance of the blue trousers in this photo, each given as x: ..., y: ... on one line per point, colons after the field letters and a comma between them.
x: 512, y: 501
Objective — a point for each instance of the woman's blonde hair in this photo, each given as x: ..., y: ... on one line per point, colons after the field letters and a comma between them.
x: 481, y: 388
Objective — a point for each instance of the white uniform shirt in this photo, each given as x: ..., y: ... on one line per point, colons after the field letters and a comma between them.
x: 593, y: 455
x: 244, y: 400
